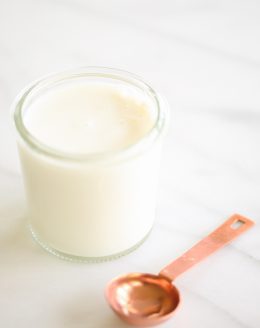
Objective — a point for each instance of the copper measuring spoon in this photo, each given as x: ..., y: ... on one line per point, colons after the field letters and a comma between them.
x: 143, y: 299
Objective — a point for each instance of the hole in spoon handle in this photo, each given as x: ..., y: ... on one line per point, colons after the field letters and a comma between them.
x: 229, y: 230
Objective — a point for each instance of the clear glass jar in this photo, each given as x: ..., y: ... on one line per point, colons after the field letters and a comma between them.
x: 90, y: 207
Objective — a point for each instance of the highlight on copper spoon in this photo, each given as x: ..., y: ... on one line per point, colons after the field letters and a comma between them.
x: 143, y: 299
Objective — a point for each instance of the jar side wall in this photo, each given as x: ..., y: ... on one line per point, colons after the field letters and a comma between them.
x: 92, y: 211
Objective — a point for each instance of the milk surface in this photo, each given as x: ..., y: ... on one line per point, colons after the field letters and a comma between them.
x: 90, y: 118
x: 90, y: 209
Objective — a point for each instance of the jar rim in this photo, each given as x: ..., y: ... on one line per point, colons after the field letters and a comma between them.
x: 90, y: 71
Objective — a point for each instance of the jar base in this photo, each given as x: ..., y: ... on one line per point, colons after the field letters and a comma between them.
x: 83, y: 259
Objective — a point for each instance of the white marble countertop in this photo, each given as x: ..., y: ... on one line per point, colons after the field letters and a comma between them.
x: 205, y: 57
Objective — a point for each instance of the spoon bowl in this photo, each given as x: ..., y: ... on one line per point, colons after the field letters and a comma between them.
x: 143, y: 299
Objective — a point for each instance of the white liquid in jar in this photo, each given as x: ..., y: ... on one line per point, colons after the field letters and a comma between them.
x: 90, y: 209
x: 90, y: 118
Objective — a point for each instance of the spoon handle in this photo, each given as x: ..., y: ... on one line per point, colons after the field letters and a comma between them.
x: 228, y: 231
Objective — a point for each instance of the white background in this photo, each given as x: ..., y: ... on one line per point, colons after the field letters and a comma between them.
x: 204, y: 56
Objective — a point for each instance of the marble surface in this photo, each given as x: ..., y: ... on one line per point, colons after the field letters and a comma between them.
x: 204, y: 56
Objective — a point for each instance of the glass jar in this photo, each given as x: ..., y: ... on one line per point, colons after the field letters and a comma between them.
x: 93, y: 206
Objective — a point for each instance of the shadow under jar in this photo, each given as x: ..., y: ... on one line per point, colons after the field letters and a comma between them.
x: 89, y: 142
